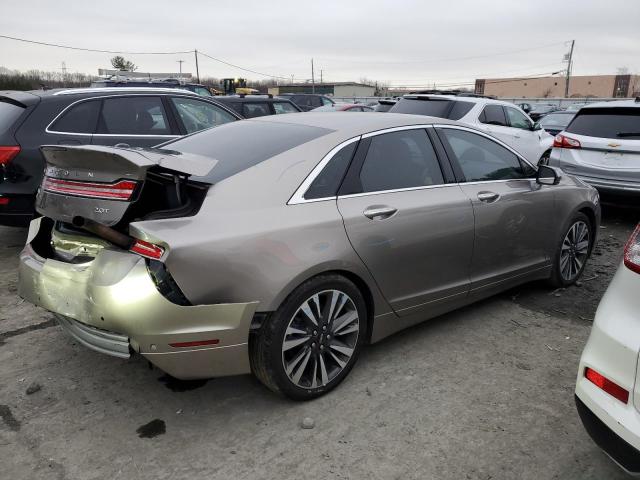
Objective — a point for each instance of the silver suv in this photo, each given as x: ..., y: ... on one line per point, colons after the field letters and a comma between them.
x: 601, y: 146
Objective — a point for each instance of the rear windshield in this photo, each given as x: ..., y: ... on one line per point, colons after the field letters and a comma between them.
x: 241, y: 145
x: 442, y: 108
x: 9, y: 113
x: 607, y: 123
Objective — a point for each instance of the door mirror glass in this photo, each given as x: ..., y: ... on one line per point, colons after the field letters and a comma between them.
x: 548, y: 175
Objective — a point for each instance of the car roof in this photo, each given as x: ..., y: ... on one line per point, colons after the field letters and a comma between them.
x: 461, y: 98
x: 356, y: 123
x: 615, y: 103
x: 81, y: 91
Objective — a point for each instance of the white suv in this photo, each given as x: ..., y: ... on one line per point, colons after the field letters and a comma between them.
x: 503, y: 120
x: 601, y: 146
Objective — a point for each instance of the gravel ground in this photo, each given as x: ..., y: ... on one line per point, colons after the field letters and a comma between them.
x: 482, y: 393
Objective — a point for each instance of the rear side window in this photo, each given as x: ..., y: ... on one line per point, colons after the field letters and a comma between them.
x: 327, y: 183
x: 133, y: 116
x: 609, y: 122
x: 403, y: 159
x: 252, y: 110
x: 482, y: 159
x: 493, y: 115
x: 9, y: 113
x: 80, y: 118
x: 228, y: 144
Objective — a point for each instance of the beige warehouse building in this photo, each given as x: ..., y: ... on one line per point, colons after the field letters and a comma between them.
x: 605, y: 86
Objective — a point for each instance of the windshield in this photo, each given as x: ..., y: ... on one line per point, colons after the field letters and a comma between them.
x: 607, y: 123
x: 542, y: 108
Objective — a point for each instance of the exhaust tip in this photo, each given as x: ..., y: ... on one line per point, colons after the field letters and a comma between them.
x: 78, y: 221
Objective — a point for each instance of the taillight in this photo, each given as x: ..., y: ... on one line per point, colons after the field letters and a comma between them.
x: 8, y: 153
x: 607, y: 385
x: 122, y: 190
x: 632, y: 251
x: 560, y: 141
x: 147, y: 249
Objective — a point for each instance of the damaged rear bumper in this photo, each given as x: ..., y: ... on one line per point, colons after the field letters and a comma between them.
x: 112, y: 305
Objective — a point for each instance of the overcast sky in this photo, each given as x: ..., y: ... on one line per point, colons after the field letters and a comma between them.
x: 402, y: 42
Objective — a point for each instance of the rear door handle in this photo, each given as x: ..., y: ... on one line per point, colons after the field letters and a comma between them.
x: 379, y: 212
x: 488, y: 197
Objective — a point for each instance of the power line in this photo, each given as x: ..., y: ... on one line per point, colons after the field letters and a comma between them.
x: 90, y: 49
x: 241, y: 68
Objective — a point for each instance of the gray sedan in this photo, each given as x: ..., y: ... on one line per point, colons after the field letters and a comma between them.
x: 281, y: 245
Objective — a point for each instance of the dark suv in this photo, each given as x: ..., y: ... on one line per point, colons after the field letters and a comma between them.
x: 308, y: 101
x: 250, y: 106
x: 141, y: 117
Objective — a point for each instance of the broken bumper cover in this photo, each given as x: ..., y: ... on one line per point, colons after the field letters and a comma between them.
x: 112, y: 305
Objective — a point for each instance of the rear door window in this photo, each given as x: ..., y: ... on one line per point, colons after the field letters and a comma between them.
x: 252, y: 110
x: 404, y: 159
x: 480, y: 158
x: 80, y: 118
x: 618, y: 123
x: 284, y: 107
x: 197, y: 115
x: 493, y: 115
x: 133, y: 116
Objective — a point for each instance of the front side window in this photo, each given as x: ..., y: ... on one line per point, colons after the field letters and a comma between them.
x: 482, y: 159
x: 404, y: 159
x: 80, y: 118
x: 197, y: 115
x: 326, y: 101
x: 517, y: 119
x: 251, y: 110
x: 133, y: 116
x: 283, y: 107
x: 493, y: 115
x: 327, y: 183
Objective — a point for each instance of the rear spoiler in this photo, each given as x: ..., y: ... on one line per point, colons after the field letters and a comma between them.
x: 101, y: 160
x: 19, y: 99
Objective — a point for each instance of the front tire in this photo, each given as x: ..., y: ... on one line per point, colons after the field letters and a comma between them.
x: 572, y: 251
x: 309, y: 345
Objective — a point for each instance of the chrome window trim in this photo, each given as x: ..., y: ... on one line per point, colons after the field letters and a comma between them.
x: 179, y: 93
x: 298, y: 195
x: 123, y: 89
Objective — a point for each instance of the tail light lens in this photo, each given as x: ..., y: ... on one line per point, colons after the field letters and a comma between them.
x: 607, y: 385
x: 147, y: 249
x: 560, y: 141
x: 8, y: 153
x: 122, y: 190
x: 632, y: 251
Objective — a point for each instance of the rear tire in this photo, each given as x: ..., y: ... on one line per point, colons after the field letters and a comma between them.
x: 309, y: 345
x: 572, y: 251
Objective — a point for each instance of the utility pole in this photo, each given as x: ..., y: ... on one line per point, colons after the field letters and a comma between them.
x: 320, y: 76
x: 569, y: 65
x: 64, y: 74
x: 180, y: 62
x: 197, y: 70
x: 313, y: 79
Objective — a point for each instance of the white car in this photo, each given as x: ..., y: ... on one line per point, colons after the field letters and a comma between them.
x: 608, y: 387
x: 503, y: 120
x: 601, y: 146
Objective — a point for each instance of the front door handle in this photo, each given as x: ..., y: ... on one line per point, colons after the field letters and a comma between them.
x: 488, y: 197
x: 379, y: 212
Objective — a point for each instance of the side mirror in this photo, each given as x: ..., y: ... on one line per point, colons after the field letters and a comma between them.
x: 548, y: 175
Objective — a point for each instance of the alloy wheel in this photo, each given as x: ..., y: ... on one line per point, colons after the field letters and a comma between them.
x: 320, y: 339
x: 574, y: 251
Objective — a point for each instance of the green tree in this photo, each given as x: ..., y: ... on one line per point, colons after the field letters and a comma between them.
x: 119, y: 63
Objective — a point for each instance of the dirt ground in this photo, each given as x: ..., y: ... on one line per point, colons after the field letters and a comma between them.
x: 482, y: 393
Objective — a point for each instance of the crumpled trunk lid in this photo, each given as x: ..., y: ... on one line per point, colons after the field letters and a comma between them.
x: 104, y: 184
